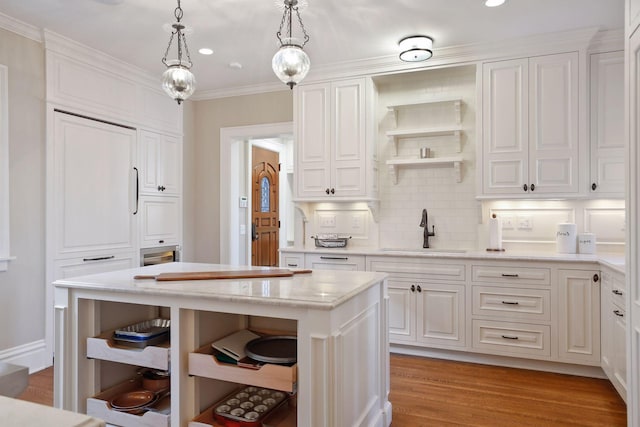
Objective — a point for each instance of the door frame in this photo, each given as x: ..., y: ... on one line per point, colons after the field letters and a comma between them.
x: 233, y: 140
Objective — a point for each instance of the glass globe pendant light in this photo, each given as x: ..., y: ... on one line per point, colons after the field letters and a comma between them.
x: 178, y: 81
x: 290, y: 63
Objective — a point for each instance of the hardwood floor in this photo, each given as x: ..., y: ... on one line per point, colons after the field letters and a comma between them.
x: 432, y: 392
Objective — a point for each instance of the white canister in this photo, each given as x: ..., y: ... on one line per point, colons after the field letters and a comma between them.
x: 587, y: 243
x: 566, y: 238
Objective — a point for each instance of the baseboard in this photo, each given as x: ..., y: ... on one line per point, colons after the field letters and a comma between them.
x: 509, y: 362
x: 33, y: 355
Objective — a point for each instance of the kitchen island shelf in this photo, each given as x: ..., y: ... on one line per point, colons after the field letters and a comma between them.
x: 98, y: 406
x: 285, y: 416
x: 103, y: 347
x: 454, y: 162
x: 203, y: 363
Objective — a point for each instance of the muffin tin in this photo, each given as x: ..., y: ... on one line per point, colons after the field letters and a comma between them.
x: 248, y: 406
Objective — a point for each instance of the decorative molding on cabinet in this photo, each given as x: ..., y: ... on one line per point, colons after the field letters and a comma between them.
x: 20, y: 27
x: 454, y: 162
x: 4, y: 169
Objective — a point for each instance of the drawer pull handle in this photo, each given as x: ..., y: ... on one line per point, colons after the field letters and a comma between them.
x: 511, y: 302
x: 100, y: 258
x: 507, y: 337
x: 292, y: 265
x: 617, y: 292
x: 509, y: 275
x: 618, y: 313
x: 341, y: 258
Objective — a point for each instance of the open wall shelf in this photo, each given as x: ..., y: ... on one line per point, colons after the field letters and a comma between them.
x: 454, y: 162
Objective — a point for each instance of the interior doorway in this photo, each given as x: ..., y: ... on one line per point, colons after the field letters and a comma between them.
x: 235, y: 190
x: 265, y: 219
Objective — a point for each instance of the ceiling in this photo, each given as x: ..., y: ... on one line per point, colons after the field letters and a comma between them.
x: 243, y: 31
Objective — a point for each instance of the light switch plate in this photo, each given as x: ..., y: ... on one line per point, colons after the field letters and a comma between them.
x: 525, y: 222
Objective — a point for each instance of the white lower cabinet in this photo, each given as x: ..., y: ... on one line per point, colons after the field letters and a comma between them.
x: 423, y: 309
x: 511, y: 309
x: 579, y: 316
x: 100, y: 263
x: 614, y: 329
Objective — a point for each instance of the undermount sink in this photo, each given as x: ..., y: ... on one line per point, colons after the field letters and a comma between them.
x: 425, y: 250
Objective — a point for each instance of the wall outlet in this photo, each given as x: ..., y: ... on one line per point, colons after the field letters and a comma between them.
x: 243, y: 229
x: 328, y: 221
x: 525, y: 222
x: 356, y: 222
x: 508, y: 222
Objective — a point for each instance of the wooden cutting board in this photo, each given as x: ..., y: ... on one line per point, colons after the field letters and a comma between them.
x: 216, y: 275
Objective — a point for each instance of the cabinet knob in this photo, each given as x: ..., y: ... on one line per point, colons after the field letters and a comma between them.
x: 596, y: 278
x: 160, y: 241
x: 413, y: 288
x: 594, y: 186
x: 525, y: 188
x: 333, y: 191
x: 326, y: 191
x: 533, y: 187
x: 419, y: 288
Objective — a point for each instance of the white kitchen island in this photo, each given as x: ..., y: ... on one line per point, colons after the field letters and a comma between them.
x: 340, y: 318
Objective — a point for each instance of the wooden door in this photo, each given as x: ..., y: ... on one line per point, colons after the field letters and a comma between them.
x: 265, y: 221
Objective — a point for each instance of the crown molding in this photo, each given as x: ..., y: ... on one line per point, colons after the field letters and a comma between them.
x: 65, y: 46
x: 238, y: 91
x: 21, y: 28
x: 607, y: 41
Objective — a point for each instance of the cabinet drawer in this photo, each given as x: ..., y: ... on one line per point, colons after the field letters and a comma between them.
x: 103, y: 347
x: 99, y: 407
x: 203, y: 363
x: 618, y: 292
x: 521, y: 339
x: 334, y: 262
x: 513, y: 303
x: 292, y: 261
x: 515, y: 275
x: 419, y: 270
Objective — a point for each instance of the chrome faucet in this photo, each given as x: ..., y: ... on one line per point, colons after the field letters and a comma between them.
x: 426, y: 233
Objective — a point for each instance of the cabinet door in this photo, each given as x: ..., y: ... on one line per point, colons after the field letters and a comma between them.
x: 606, y: 324
x: 94, y: 187
x: 505, y: 124
x: 160, y: 221
x: 161, y: 160
x: 441, y: 314
x: 553, y: 123
x: 607, y: 124
x: 579, y: 316
x: 348, y: 142
x: 312, y: 118
x: 103, y: 263
x: 620, y: 351
x: 335, y: 262
x: 402, y: 310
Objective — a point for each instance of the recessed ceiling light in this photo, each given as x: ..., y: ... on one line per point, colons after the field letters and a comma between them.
x: 205, y: 51
x: 493, y: 3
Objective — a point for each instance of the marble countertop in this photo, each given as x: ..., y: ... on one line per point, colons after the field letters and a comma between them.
x: 321, y: 289
x: 615, y: 261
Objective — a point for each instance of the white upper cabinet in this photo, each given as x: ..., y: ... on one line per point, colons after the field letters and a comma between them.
x: 161, y: 160
x: 334, y: 145
x: 607, y: 124
x: 94, y: 189
x: 530, y: 126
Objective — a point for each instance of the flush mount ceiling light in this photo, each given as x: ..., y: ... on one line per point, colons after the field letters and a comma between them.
x: 178, y: 81
x: 290, y: 63
x: 493, y: 3
x: 416, y: 48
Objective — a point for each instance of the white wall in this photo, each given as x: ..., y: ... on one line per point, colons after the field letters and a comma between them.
x: 22, y: 287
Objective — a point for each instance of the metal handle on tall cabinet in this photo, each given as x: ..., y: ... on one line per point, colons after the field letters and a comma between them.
x: 617, y: 292
x: 525, y: 188
x: 137, y: 189
x: 618, y: 313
